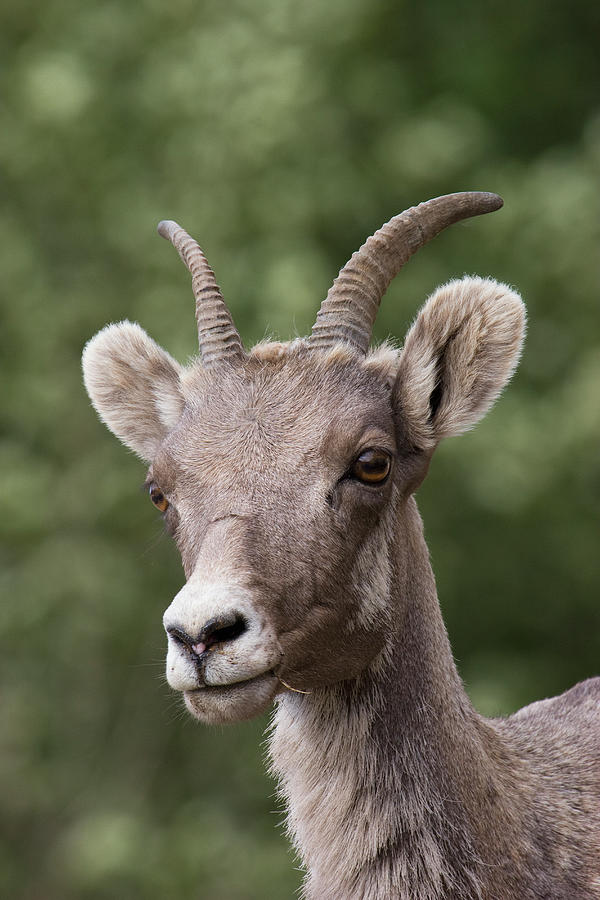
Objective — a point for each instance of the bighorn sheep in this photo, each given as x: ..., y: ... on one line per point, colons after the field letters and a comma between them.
x: 287, y: 475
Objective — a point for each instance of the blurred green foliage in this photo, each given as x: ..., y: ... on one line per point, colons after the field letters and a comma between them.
x: 281, y: 134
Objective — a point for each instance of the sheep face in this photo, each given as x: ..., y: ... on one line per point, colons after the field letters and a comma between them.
x: 280, y: 477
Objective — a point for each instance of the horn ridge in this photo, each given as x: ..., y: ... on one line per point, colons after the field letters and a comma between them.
x: 218, y: 337
x: 348, y: 312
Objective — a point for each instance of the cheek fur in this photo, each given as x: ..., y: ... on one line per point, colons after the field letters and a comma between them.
x: 337, y: 620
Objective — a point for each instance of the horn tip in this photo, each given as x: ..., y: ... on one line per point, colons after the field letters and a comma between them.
x: 492, y: 201
x: 166, y: 229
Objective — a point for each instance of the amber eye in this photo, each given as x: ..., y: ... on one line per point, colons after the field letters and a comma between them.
x: 372, y: 466
x: 158, y: 498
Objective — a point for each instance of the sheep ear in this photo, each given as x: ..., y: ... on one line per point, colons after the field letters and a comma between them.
x: 458, y: 355
x: 134, y: 385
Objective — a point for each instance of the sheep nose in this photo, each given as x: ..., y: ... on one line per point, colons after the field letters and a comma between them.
x: 216, y: 631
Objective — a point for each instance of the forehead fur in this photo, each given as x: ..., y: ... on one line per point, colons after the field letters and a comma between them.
x: 301, y: 367
x: 277, y: 375
x: 283, y: 399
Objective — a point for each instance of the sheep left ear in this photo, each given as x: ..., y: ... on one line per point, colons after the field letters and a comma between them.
x: 458, y: 356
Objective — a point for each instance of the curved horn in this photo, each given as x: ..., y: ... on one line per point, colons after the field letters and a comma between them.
x: 348, y: 312
x: 217, y: 335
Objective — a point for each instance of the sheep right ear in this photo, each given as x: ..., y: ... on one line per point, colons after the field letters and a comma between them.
x: 458, y: 355
x: 134, y: 385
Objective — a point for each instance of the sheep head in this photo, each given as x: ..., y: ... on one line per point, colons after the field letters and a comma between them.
x: 284, y: 473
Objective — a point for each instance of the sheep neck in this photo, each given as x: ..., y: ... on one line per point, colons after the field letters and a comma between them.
x: 392, y: 781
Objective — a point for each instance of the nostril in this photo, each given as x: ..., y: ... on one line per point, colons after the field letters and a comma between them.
x: 221, y: 630
x: 180, y: 637
x: 215, y: 631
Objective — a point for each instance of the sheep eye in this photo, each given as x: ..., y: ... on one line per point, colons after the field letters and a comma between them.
x: 158, y: 498
x: 372, y: 466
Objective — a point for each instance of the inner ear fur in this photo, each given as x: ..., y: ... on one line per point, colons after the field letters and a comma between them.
x: 134, y: 385
x: 458, y: 355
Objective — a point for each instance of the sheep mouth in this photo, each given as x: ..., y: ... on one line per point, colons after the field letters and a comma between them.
x: 233, y: 702
x: 215, y: 689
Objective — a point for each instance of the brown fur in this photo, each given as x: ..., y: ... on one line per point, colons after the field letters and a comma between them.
x: 395, y: 786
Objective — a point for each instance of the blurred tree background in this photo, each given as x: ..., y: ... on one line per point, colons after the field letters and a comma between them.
x: 281, y: 134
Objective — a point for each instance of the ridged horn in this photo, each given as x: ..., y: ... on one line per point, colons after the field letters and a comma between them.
x: 348, y: 312
x: 217, y: 335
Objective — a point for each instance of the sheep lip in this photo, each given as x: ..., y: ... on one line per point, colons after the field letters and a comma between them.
x: 230, y: 685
